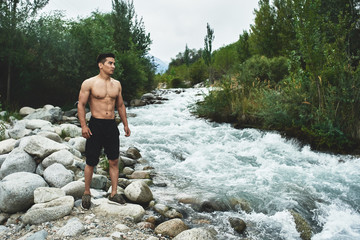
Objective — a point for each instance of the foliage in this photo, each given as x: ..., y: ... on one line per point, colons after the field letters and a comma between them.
x: 54, y: 56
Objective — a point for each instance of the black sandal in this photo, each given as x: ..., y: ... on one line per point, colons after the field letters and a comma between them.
x: 86, y: 201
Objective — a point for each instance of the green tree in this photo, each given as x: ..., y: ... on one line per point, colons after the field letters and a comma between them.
x: 243, y: 47
x: 14, y: 14
x: 207, y: 53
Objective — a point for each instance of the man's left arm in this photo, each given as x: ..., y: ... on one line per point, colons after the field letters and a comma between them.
x: 122, y: 113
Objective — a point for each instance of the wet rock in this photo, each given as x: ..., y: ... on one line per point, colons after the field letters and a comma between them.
x: 171, y: 228
x: 173, y: 213
x: 146, y: 225
x: 47, y: 194
x: 140, y: 175
x: 57, y: 175
x: 4, y: 217
x: 17, y: 191
x: 133, y: 153
x: 242, y: 203
x: 137, y: 103
x: 128, y: 162
x: 49, y: 211
x: 17, y: 161
x: 161, y: 208
x: 128, y: 170
x: 211, y: 206
x: 302, y: 226
x: 7, y: 146
x: 138, y: 192
x: 196, y: 233
x: 237, y: 224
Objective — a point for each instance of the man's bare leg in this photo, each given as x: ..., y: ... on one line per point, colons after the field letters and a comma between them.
x: 88, y: 173
x: 114, y: 175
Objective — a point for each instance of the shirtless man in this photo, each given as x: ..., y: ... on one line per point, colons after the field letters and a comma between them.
x: 103, y: 93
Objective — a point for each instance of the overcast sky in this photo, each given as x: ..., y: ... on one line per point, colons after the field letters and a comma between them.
x: 174, y: 23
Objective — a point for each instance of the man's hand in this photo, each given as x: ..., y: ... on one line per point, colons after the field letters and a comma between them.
x: 127, y: 131
x: 86, y: 132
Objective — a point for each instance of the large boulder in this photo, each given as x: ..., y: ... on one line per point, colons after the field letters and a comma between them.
x: 69, y: 130
x: 107, y: 208
x: 19, y: 130
x: 42, y: 147
x: 37, y: 123
x: 78, y: 143
x: 63, y: 157
x: 171, y: 228
x: 47, y: 194
x: 48, y: 113
x: 75, y: 189
x: 17, y: 191
x: 138, y: 192
x: 196, y: 233
x: 58, y: 176
x: 24, y: 111
x: 2, y: 160
x: 7, y: 145
x: 133, y: 153
x: 17, y: 161
x: 49, y: 211
x: 51, y: 135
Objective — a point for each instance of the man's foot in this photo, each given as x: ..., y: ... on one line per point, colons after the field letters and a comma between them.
x: 86, y: 201
x: 117, y: 198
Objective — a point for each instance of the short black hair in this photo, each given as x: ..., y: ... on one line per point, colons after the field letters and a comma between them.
x: 102, y: 56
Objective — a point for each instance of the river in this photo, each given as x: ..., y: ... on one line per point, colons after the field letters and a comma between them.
x: 207, y: 160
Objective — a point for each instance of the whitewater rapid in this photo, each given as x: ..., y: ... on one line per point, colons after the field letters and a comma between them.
x: 208, y: 160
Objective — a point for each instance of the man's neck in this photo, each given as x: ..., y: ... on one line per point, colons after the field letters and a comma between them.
x: 104, y: 76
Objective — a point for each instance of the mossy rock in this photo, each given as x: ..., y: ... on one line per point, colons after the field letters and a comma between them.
x: 302, y: 226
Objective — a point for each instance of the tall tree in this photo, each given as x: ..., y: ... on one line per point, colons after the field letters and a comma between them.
x: 207, y: 54
x: 14, y: 14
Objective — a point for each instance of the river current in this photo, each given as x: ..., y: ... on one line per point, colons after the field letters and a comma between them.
x: 216, y: 162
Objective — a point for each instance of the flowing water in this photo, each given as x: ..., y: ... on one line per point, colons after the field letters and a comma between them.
x: 216, y: 162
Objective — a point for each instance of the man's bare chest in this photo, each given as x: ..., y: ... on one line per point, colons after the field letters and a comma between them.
x: 104, y: 90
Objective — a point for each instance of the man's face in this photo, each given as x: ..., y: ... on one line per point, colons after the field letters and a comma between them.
x: 108, y: 66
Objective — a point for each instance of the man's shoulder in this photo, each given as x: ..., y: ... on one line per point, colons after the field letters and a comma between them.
x: 114, y: 81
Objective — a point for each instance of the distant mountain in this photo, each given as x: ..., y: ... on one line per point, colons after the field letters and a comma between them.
x: 161, y: 65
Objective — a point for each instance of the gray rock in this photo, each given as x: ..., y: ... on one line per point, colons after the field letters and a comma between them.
x: 7, y: 145
x: 72, y: 228
x: 161, y: 208
x: 3, y: 229
x: 237, y: 224
x: 138, y: 192
x: 128, y: 170
x: 2, y: 160
x: 78, y: 143
x: 36, y: 124
x: 128, y: 162
x: 48, y: 113
x: 196, y: 233
x: 133, y: 153
x: 51, y: 135
x: 99, y: 181
x: 26, y: 111
x: 17, y: 161
x: 173, y: 213
x: 140, y: 175
x: 57, y: 175
x: 148, y: 96
x: 70, y: 130
x: 19, y: 130
x: 47, y: 194
x: 40, y: 235
x: 104, y: 207
x: 171, y: 228
x: 17, y: 191
x: 40, y: 170
x: 42, y: 147
x: 63, y: 157
x: 75, y: 189
x: 49, y: 211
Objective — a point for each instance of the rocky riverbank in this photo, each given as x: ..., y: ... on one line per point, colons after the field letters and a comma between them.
x: 41, y: 173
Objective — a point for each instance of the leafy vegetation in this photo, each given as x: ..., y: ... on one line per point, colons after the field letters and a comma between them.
x: 53, y: 56
x: 296, y: 71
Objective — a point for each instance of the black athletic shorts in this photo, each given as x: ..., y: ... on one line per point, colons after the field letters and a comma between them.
x: 105, y: 134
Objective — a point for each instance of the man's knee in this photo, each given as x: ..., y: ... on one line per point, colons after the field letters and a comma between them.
x: 114, y: 163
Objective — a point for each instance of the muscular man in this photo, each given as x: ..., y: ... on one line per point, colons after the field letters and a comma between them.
x: 103, y: 93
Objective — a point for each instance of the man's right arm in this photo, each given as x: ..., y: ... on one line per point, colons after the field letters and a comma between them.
x: 83, y: 99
